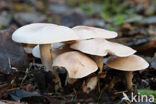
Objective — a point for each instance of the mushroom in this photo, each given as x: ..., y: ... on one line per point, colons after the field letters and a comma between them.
x: 89, y: 84
x: 86, y: 32
x: 100, y: 48
x: 128, y: 64
x: 77, y: 64
x: 44, y: 34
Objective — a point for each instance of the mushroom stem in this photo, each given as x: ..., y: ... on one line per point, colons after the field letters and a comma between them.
x: 129, y: 77
x: 99, y: 62
x: 46, y: 57
x: 47, y: 60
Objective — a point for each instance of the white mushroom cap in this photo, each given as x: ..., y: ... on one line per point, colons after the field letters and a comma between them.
x: 100, y: 47
x: 93, y: 46
x: 130, y: 63
x: 119, y: 49
x: 43, y: 33
x: 86, y: 32
x: 77, y: 64
x: 57, y: 48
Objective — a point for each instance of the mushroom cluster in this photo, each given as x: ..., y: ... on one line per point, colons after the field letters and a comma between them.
x: 80, y: 50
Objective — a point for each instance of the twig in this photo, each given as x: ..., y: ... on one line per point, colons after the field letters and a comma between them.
x: 26, y: 74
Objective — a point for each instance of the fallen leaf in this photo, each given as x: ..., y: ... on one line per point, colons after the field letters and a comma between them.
x: 11, y: 53
x: 18, y: 94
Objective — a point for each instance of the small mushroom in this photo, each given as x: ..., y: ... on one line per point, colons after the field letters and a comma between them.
x: 128, y: 64
x: 77, y: 64
x: 44, y: 34
x: 86, y: 32
x: 89, y: 84
x: 100, y: 48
